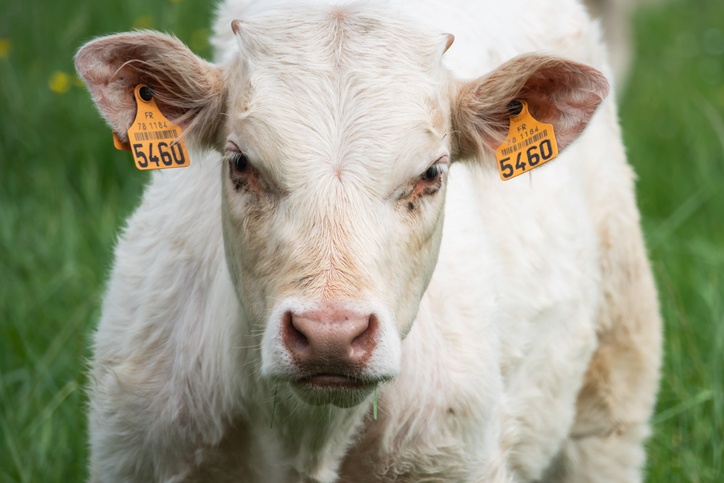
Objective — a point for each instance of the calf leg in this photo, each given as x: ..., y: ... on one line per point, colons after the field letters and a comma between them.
x: 606, y: 442
x: 617, y: 457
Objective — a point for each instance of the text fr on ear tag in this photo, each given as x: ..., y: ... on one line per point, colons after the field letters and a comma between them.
x: 529, y: 143
x: 154, y: 140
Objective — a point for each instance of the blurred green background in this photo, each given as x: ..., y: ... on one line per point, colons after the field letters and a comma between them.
x: 65, y: 192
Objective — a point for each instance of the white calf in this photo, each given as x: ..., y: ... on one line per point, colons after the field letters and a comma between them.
x: 342, y: 244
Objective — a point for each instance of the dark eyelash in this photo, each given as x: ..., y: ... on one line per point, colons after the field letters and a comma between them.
x: 240, y: 161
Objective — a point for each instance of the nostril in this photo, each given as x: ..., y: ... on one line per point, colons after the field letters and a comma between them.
x: 293, y: 337
x: 364, y: 343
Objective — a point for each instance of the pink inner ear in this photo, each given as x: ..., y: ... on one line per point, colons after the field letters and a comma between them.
x: 564, y: 94
x: 188, y: 90
x: 113, y: 67
x: 538, y: 93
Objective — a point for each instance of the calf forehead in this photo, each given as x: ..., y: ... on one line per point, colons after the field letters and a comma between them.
x: 343, y: 36
x: 338, y: 88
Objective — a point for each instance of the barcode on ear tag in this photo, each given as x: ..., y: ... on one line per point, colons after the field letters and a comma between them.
x: 154, y: 140
x: 529, y: 144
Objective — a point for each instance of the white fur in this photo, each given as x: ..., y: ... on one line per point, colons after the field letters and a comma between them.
x: 507, y: 343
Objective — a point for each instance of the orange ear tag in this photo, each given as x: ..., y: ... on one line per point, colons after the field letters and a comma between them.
x: 529, y: 144
x: 153, y: 139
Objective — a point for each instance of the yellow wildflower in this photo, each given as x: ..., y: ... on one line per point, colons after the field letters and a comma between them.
x: 5, y: 48
x: 59, y: 82
x: 143, y: 22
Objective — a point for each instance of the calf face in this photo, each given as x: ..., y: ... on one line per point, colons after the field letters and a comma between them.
x: 337, y: 128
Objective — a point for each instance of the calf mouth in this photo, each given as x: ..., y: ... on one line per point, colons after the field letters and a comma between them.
x: 335, y: 381
x: 335, y: 389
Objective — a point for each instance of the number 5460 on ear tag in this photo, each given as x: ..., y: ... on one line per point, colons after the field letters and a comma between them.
x: 154, y: 140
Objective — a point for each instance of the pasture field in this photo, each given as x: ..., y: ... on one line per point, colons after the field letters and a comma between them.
x: 65, y: 191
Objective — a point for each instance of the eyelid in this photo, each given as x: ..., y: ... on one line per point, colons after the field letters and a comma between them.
x: 442, y: 162
x: 232, y: 147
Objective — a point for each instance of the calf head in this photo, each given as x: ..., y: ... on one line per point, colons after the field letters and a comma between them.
x: 335, y: 129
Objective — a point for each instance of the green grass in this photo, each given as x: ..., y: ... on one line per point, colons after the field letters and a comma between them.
x: 64, y: 193
x: 673, y: 119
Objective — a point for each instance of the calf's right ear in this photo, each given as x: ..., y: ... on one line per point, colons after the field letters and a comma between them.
x: 188, y: 90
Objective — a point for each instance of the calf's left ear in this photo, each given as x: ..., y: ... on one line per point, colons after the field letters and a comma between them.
x: 558, y: 92
x: 188, y: 90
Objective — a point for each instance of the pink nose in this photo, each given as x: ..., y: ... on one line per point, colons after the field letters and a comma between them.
x: 330, y: 340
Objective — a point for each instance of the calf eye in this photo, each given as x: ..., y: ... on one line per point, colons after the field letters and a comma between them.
x: 428, y: 183
x: 432, y: 173
x: 241, y: 171
x: 239, y: 162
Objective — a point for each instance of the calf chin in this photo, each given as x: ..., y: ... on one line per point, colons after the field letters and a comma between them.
x: 341, y: 394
